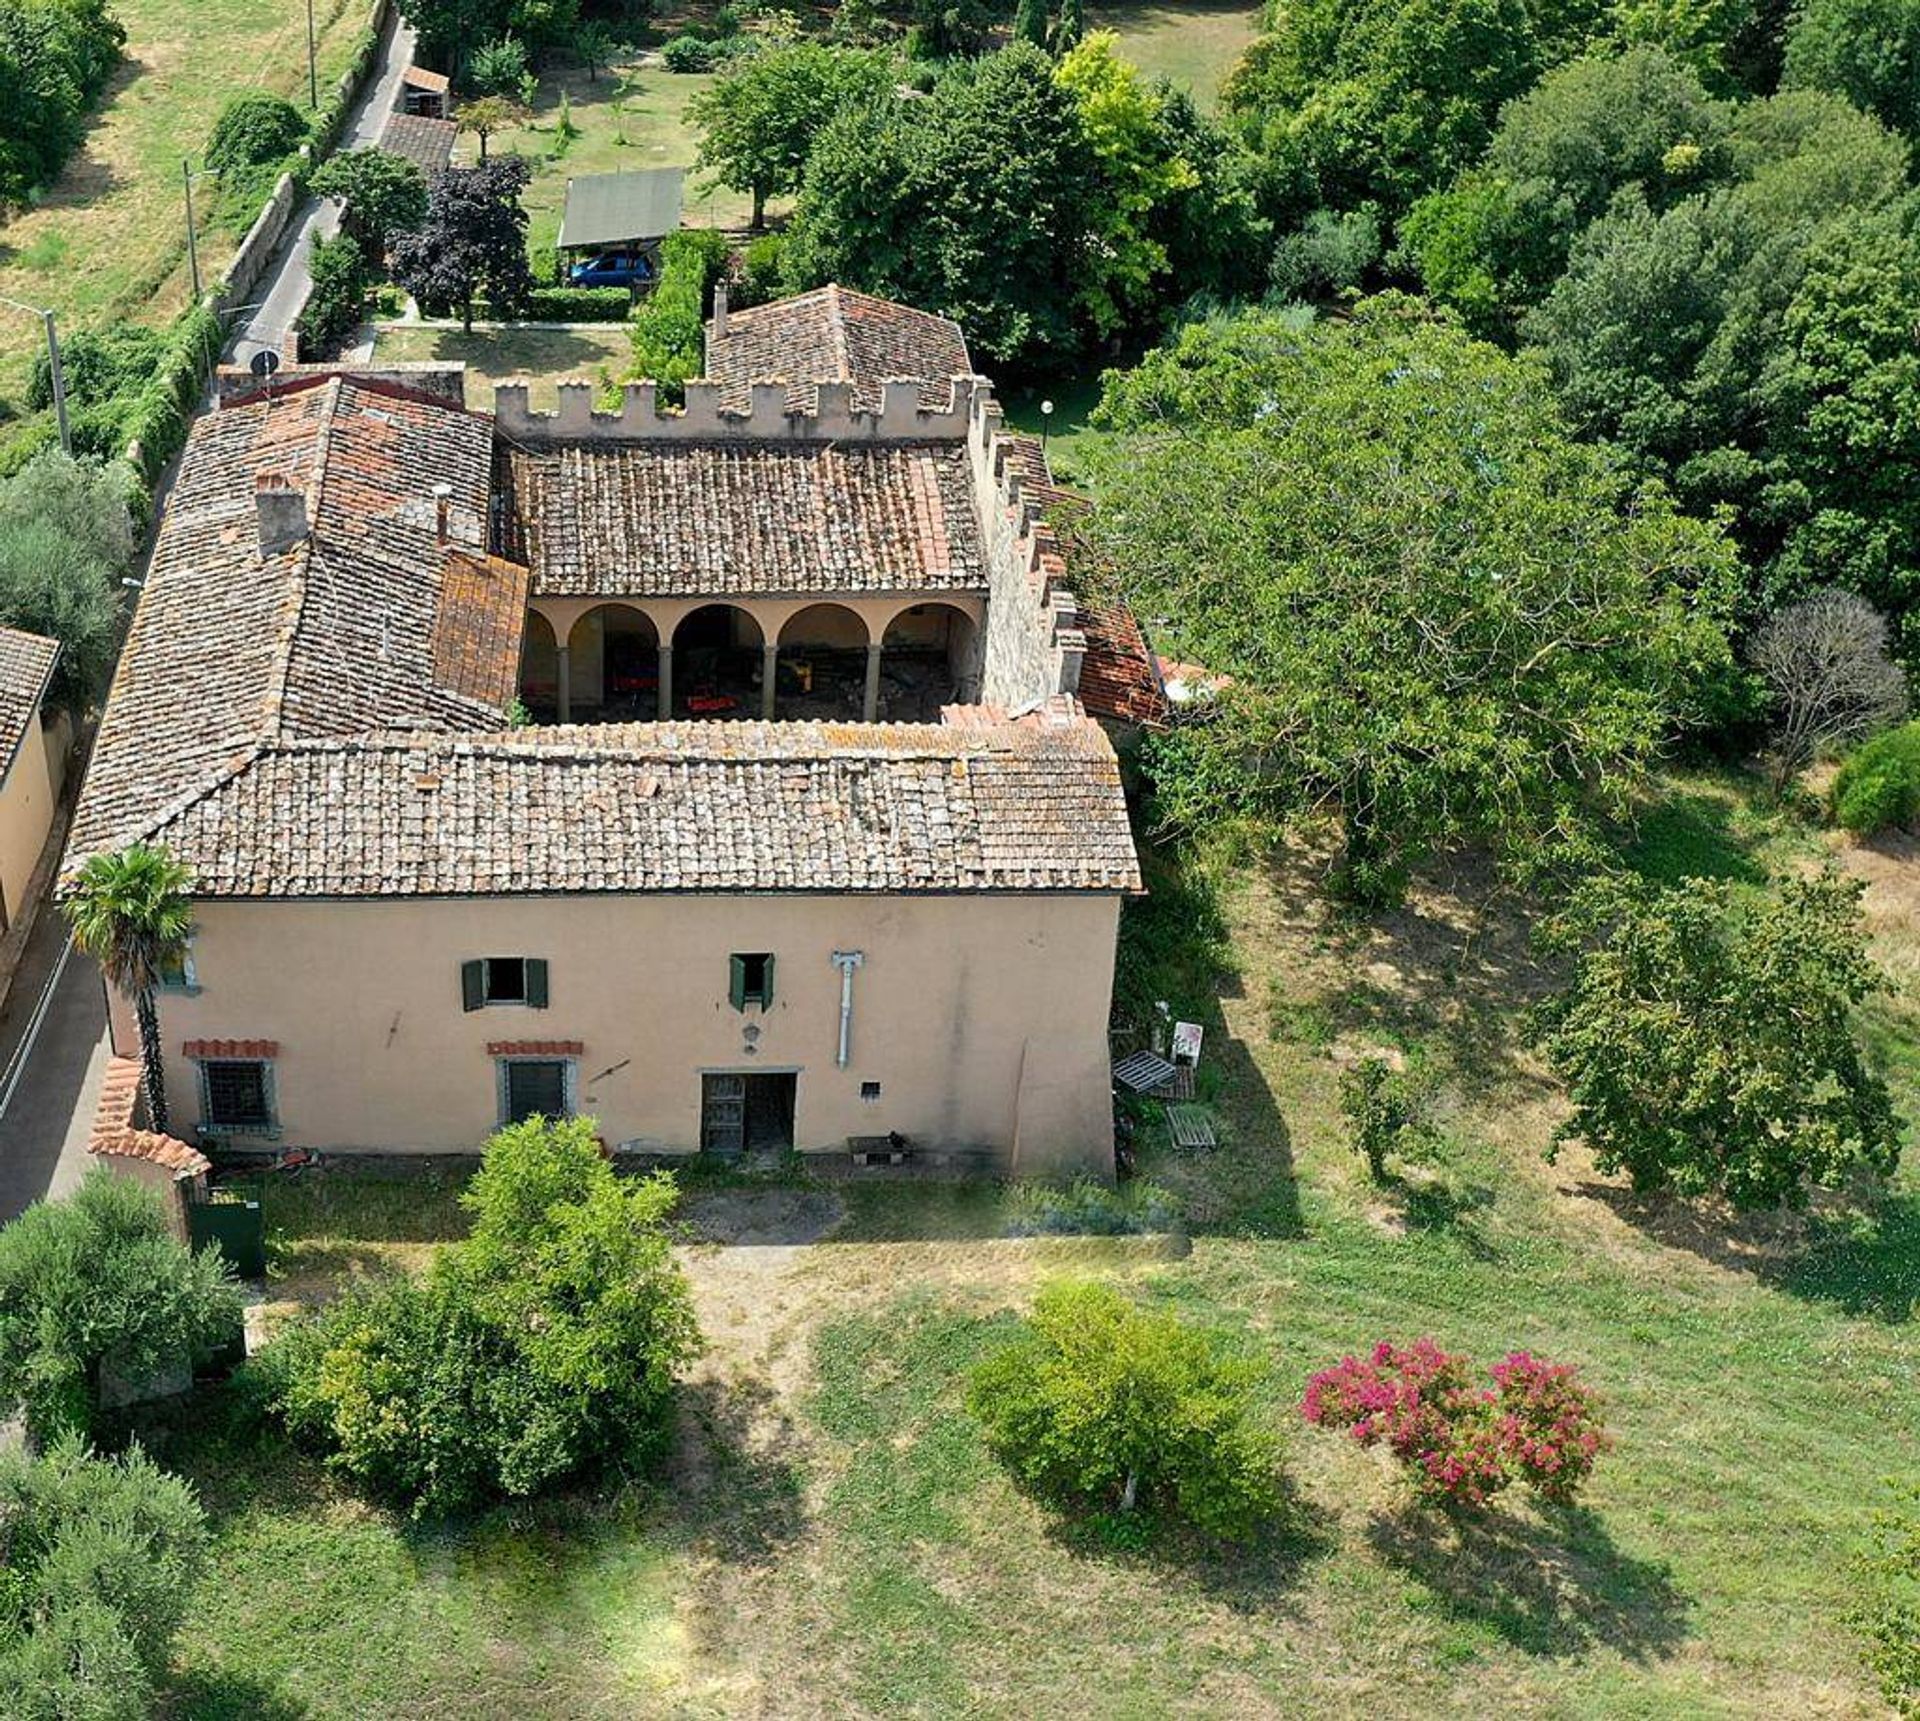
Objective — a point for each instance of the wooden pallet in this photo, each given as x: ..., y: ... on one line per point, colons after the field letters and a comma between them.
x: 1144, y: 1072
x: 1191, y: 1126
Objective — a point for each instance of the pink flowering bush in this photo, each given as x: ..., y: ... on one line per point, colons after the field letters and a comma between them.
x: 1463, y: 1442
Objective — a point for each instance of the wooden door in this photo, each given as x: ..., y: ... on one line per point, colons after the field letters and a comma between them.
x: 723, y: 1115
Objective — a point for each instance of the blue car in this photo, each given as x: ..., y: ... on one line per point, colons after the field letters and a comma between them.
x: 612, y: 269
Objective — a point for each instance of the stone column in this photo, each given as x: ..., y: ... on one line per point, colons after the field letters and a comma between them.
x: 664, y: 702
x: 563, y: 682
x: 870, y: 700
x: 769, y: 664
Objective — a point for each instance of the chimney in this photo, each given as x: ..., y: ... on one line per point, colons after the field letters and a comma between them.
x: 719, y: 311
x: 282, y: 510
x: 442, y: 502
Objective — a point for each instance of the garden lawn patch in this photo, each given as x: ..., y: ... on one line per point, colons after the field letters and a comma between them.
x: 1193, y: 45
x: 545, y: 357
x: 108, y: 243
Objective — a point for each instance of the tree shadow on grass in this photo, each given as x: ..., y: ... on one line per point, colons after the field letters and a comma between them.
x: 1550, y: 1583
x: 736, y: 1495
x: 221, y: 1694
x: 1860, y: 1254
x: 1444, y: 1205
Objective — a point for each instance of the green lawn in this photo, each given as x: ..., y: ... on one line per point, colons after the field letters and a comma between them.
x: 108, y: 243
x: 832, y: 1536
x: 596, y: 353
x: 1195, y: 46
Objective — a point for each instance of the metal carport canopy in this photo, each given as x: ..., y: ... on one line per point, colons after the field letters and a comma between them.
x: 613, y: 208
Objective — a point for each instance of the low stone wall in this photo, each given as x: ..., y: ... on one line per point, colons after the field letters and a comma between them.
x: 444, y: 381
x: 900, y: 416
x: 261, y: 244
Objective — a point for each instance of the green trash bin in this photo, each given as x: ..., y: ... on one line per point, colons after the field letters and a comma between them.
x: 233, y: 1222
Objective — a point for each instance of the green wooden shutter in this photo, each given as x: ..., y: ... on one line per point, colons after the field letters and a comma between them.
x: 766, y: 984
x: 473, y: 984
x: 737, y: 981
x: 537, y: 982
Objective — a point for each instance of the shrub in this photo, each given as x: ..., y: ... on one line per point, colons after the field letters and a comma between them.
x: 253, y: 130
x: 579, y: 304
x: 1382, y: 1107
x: 1329, y: 253
x: 100, y: 1558
x: 156, y: 423
x: 544, y: 1343
x: 334, y: 302
x: 1088, y: 1208
x: 692, y: 54
x: 669, y: 327
x: 1878, y: 785
x: 499, y: 68
x: 1104, y: 1406
x: 97, y: 1283
x: 1459, y: 1441
x: 1888, y: 1612
x: 97, y: 364
x: 760, y: 278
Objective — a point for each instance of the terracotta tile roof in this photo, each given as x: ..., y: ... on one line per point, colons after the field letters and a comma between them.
x: 536, y: 1049
x: 835, y: 335
x: 349, y: 629
x: 114, y: 1135
x: 230, y: 1049
x: 478, y: 626
x: 707, y: 807
x: 427, y: 143
x: 419, y: 78
x: 26, y: 665
x: 666, y: 519
x: 1119, y: 679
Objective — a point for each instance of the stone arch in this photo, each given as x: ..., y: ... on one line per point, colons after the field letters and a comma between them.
x: 929, y: 657
x: 719, y: 663
x: 539, y: 683
x: 613, y: 657
x: 820, y: 669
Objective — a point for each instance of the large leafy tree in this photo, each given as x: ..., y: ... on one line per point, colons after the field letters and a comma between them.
x: 1495, y: 240
x: 1377, y: 102
x: 1865, y: 50
x: 973, y: 202
x: 451, y: 31
x: 102, y: 1554
x: 66, y: 537
x: 131, y: 913
x: 1740, y: 341
x: 96, y: 1282
x: 1709, y: 1038
x: 380, y: 194
x: 1443, y: 619
x: 473, y: 241
x: 758, y: 123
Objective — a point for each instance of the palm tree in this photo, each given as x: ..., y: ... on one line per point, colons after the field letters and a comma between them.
x: 130, y: 913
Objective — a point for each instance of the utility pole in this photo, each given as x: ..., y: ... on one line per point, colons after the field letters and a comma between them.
x: 55, y: 373
x: 313, y: 73
x: 193, y: 246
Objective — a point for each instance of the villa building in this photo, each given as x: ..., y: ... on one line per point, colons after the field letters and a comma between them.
x: 718, y: 774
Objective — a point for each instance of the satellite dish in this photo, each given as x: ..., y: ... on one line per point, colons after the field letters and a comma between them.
x: 264, y: 363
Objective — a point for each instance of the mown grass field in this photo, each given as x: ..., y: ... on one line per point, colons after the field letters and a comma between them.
x: 108, y: 243
x: 832, y: 1537
x: 1194, y: 46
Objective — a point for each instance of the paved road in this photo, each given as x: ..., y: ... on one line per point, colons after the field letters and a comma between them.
x: 49, y: 1112
x: 282, y: 290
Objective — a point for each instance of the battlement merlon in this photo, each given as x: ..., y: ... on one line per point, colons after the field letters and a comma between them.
x: 900, y: 416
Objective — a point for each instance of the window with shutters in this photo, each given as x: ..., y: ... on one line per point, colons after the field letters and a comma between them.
x: 750, y: 980
x: 535, y: 1087
x: 180, y: 976
x: 236, y: 1096
x: 489, y: 980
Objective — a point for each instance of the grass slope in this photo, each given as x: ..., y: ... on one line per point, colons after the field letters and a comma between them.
x: 832, y: 1537
x: 108, y: 243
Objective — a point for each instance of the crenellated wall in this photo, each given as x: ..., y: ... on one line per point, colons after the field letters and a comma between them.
x: 900, y: 416
x: 1034, y: 646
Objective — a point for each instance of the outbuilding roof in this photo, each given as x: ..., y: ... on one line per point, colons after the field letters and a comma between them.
x: 427, y: 143
x: 834, y: 334
x: 659, y: 519
x: 668, y: 807
x: 26, y: 667
x: 616, y: 208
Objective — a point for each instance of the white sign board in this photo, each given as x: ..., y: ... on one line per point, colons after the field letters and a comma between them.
x: 1186, y: 1042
